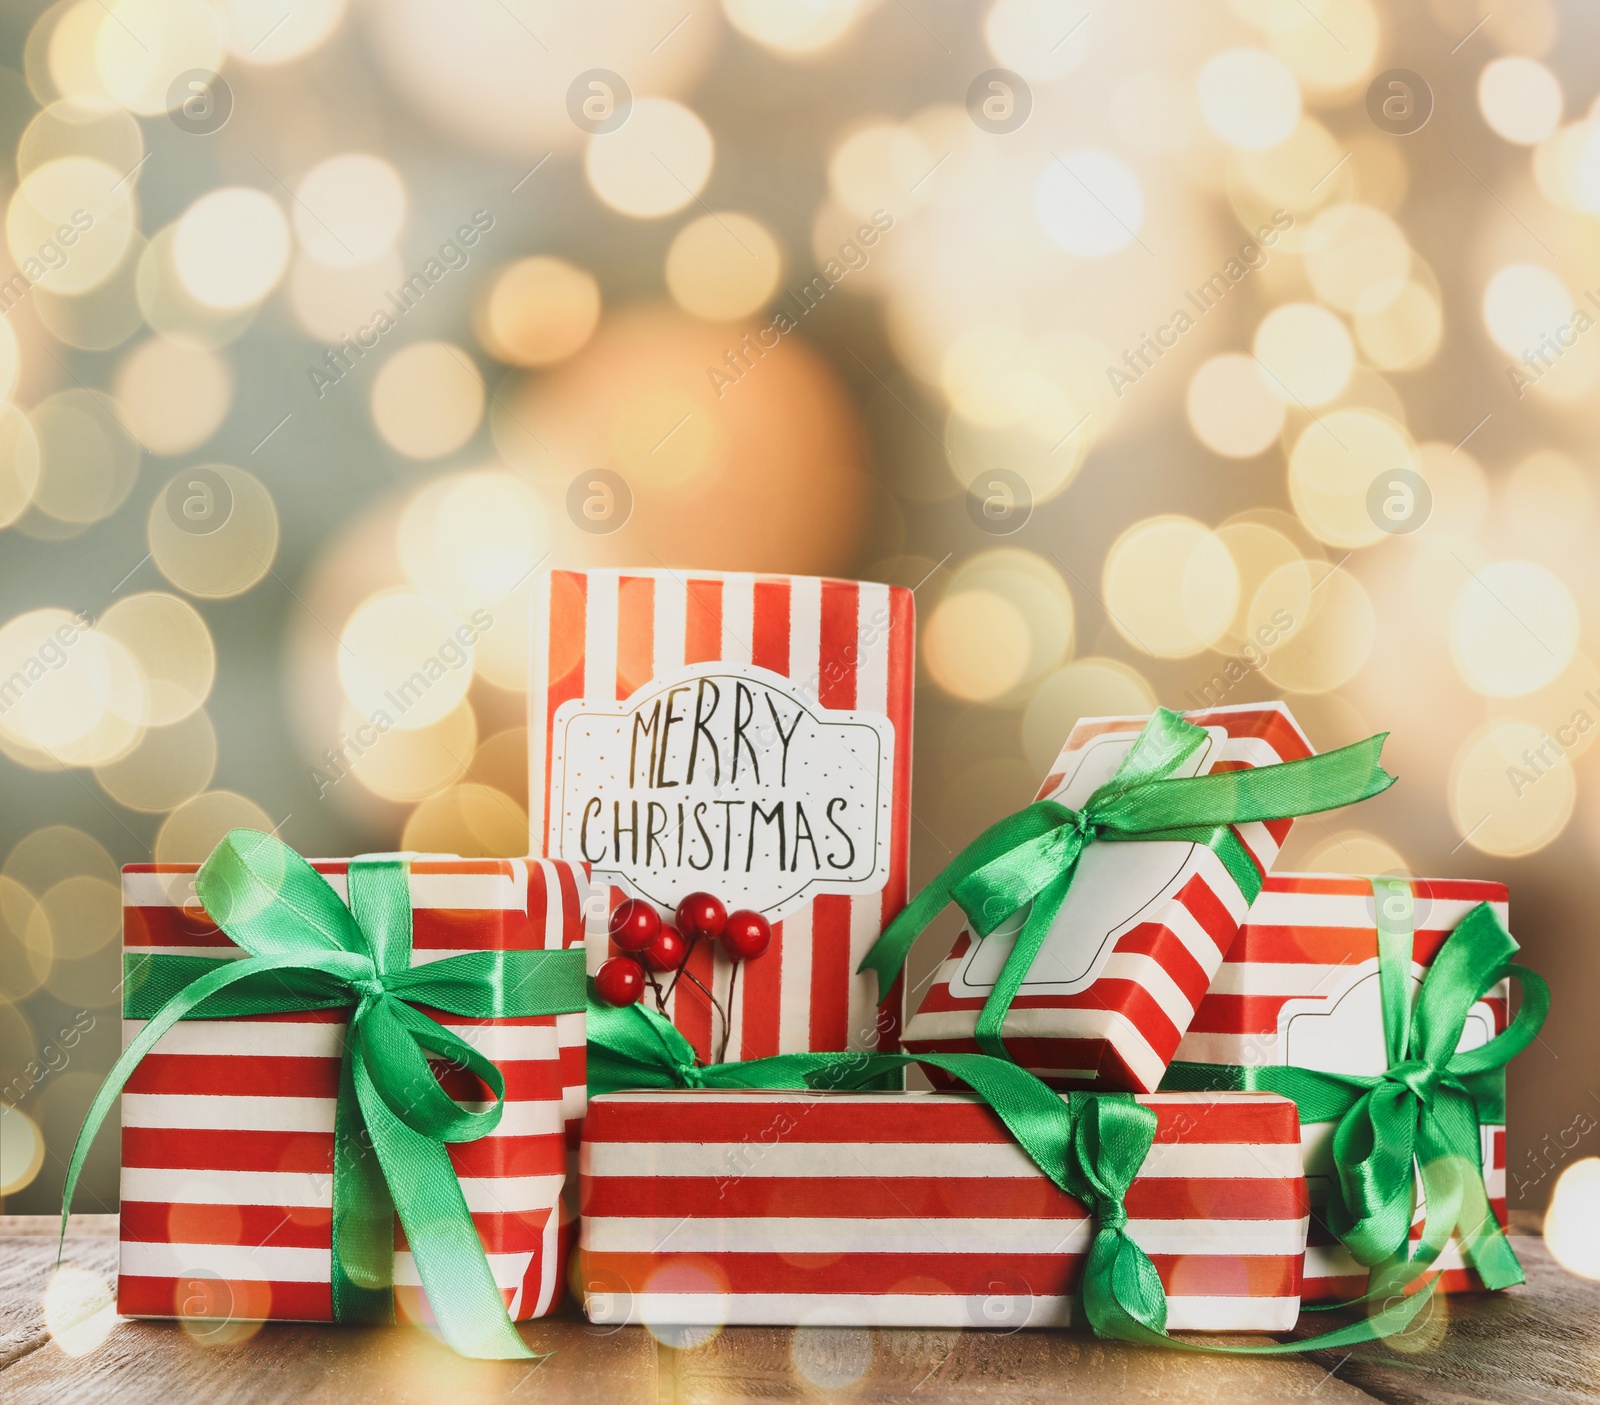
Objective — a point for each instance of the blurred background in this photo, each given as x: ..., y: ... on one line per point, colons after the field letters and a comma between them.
x: 1175, y: 352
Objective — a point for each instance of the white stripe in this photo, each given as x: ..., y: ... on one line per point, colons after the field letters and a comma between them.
x: 1184, y: 1314
x: 537, y: 1118
x: 670, y: 622
x: 1157, y: 981
x: 794, y: 983
x: 600, y: 636
x: 604, y: 1234
x: 273, y: 1263
x: 688, y: 1097
x: 1274, y: 1161
x: 738, y: 617
x: 305, y: 1189
x: 1350, y: 910
x: 306, y: 1039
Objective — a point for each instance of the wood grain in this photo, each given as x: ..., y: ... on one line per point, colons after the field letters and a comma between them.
x: 1540, y: 1343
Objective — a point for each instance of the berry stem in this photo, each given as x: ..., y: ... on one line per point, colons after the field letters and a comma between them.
x: 727, y: 1020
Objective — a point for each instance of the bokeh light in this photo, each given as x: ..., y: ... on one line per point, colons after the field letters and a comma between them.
x: 79, y: 1310
x: 1520, y: 98
x: 1305, y: 352
x: 1171, y: 587
x: 1249, y: 98
x: 174, y: 395
x: 1232, y: 407
x: 1513, y: 628
x: 1572, y: 1223
x: 213, y: 531
x: 349, y: 209
x: 427, y: 399
x: 794, y: 29
x: 405, y: 658
x: 1511, y: 791
x: 655, y: 163
x: 723, y: 266
x: 231, y: 247
x: 1089, y: 203
x: 539, y: 311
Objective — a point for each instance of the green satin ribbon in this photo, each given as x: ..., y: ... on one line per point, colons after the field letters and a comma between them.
x: 309, y: 951
x: 1032, y: 856
x: 1090, y: 1145
x: 1423, y: 1113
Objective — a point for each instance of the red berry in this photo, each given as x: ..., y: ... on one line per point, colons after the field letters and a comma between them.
x: 701, y: 915
x: 667, y: 951
x: 620, y: 981
x: 634, y: 924
x: 747, y: 934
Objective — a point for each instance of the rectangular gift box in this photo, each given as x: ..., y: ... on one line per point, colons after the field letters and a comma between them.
x: 1140, y: 935
x: 228, y: 1124
x: 1300, y: 986
x: 917, y: 1209
x: 745, y: 735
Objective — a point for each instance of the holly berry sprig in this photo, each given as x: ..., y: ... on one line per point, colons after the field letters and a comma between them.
x: 656, y: 949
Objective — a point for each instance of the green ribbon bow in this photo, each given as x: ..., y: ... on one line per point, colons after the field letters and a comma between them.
x: 1424, y: 1111
x: 309, y: 951
x: 1032, y: 856
x: 1090, y: 1145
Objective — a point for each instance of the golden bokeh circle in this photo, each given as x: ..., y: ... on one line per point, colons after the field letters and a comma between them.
x: 1335, y: 460
x: 88, y: 461
x: 1353, y: 851
x: 470, y: 539
x: 70, y: 222
x: 1357, y: 258
x: 21, y: 1150
x: 471, y: 820
x: 141, y: 49
x: 1572, y: 1220
x: 1258, y: 549
x: 193, y: 830
x: 655, y: 163
x: 1320, y: 624
x: 405, y: 659
x: 81, y: 914
x: 1305, y: 353
x: 24, y: 959
x: 1170, y: 586
x: 723, y: 266
x: 173, y: 648
x: 227, y: 559
x: 1511, y: 789
x: 167, y: 304
x: 1232, y: 407
x: 56, y: 852
x: 976, y: 644
x: 410, y: 764
x: 19, y: 463
x: 69, y: 692
x: 427, y: 399
x: 1513, y: 628
x: 230, y: 247
x: 170, y: 765
x: 1405, y: 333
x: 348, y: 209
x: 538, y: 311
x: 1089, y: 687
x: 174, y: 394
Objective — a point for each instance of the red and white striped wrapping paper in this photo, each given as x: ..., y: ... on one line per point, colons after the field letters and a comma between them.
x: 1140, y: 935
x: 840, y: 650
x: 1300, y: 986
x: 918, y: 1210
x: 227, y: 1125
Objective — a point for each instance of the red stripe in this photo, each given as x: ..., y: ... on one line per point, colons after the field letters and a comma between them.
x: 1164, y: 946
x: 432, y: 929
x: 284, y: 1227
x: 761, y: 982
x: 702, y: 625
x: 275, y: 1076
x: 967, y: 1275
x: 567, y: 641
x: 821, y: 1117
x: 636, y: 633
x: 754, y: 1196
x: 204, y: 1298
x: 901, y: 642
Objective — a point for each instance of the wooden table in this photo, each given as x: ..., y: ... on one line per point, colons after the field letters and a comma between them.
x: 1538, y: 1343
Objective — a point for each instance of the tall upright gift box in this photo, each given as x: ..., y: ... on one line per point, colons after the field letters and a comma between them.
x: 747, y: 736
x: 228, y: 1125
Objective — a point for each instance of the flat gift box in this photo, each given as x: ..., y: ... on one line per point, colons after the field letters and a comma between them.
x: 916, y: 1209
x: 1300, y: 987
x: 1140, y: 935
x: 746, y: 735
x: 227, y: 1124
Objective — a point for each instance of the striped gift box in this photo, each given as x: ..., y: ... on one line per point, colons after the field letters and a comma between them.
x: 1140, y: 935
x: 672, y: 715
x: 227, y: 1125
x: 1300, y: 986
x: 918, y: 1210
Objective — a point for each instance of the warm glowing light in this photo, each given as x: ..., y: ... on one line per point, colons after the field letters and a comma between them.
x: 1511, y: 790
x: 1406, y: 333
x: 1333, y: 45
x: 263, y: 32
x: 1170, y: 586
x: 1041, y: 39
x: 471, y: 820
x: 1335, y: 462
x: 79, y: 1310
x: 170, y: 642
x: 169, y: 766
x: 144, y: 45
x: 1089, y: 203
x: 976, y: 645
x: 1357, y: 258
x: 333, y: 304
x: 175, y: 395
x: 1513, y: 628
x: 19, y: 463
x: 88, y: 462
x: 792, y: 28
x: 1092, y: 687
x: 1525, y: 305
x: 539, y: 311
x: 64, y: 678
x: 410, y: 764
x: 213, y: 530
x: 881, y: 166
x: 723, y: 267
x: 21, y: 1149
x: 1320, y: 622
x: 1549, y: 500
x: 1249, y: 98
x: 427, y: 399
x: 193, y: 830
x: 231, y: 247
x: 1520, y: 98
x: 1353, y: 851
x: 405, y: 658
x: 470, y: 539
x: 656, y: 162
x: 70, y: 223
x: 349, y: 209
x: 1572, y: 1221
x: 1232, y: 408
x: 1305, y: 353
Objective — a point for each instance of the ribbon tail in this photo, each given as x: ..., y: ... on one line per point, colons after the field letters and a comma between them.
x: 466, y: 1301
x: 362, y: 1266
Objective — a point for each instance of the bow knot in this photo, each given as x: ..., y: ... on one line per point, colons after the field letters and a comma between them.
x: 1026, y: 863
x: 368, y: 987
x: 1422, y: 1079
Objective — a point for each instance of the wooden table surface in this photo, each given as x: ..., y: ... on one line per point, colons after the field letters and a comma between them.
x: 1537, y: 1343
